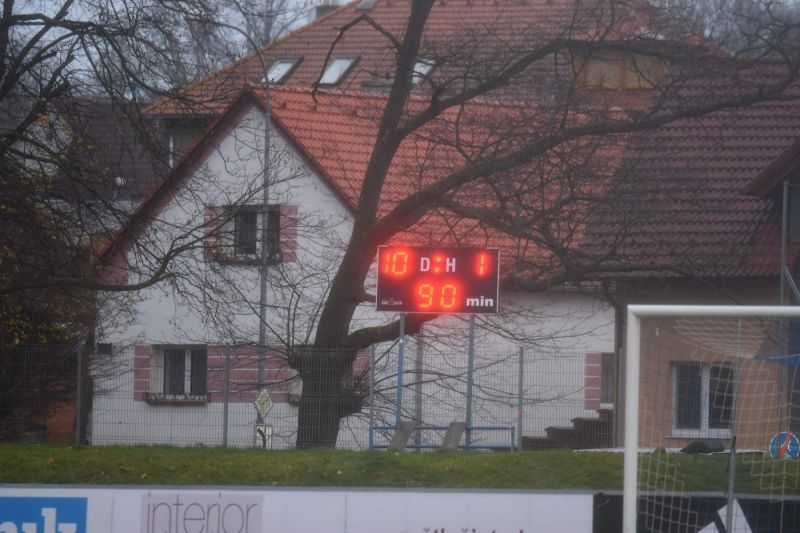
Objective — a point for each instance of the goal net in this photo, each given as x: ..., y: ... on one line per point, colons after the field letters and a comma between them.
x: 712, y: 419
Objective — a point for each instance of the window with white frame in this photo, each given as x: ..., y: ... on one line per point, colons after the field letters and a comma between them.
x: 280, y: 70
x: 702, y: 400
x: 179, y: 374
x: 336, y: 70
x: 241, y: 234
x: 421, y: 70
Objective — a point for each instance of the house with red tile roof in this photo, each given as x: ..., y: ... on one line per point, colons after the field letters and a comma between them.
x: 707, y: 197
x: 688, y: 212
x: 181, y: 331
x: 353, y: 48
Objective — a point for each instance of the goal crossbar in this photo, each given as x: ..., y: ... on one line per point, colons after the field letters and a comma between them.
x: 632, y: 370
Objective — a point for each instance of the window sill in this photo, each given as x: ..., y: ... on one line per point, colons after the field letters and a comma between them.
x: 244, y: 260
x: 700, y: 434
x: 162, y: 398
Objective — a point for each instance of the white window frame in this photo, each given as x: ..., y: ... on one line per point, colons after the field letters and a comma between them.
x: 280, y: 70
x: 422, y: 68
x: 704, y: 431
x: 227, y: 240
x: 158, y: 365
x: 336, y: 70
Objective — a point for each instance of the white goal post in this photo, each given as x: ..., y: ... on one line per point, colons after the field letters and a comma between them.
x: 632, y: 377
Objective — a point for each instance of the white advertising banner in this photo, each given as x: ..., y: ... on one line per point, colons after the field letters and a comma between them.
x: 468, y: 512
x: 183, y: 510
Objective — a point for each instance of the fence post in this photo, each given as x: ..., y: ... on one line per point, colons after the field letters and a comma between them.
x: 371, y: 386
x: 399, y: 400
x: 470, y: 365
x: 79, y: 398
x: 418, y: 396
x: 225, y: 395
x: 520, y: 394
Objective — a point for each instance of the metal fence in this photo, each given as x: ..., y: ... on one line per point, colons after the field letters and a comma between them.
x: 507, y: 398
x: 43, y: 394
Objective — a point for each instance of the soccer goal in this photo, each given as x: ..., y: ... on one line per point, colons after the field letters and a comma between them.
x: 712, y: 419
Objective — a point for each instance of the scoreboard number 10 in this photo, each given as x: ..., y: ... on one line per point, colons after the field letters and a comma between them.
x: 437, y: 280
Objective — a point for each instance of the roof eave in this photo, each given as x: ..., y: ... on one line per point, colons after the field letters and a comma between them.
x: 776, y: 172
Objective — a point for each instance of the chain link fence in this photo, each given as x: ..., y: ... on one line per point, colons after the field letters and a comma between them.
x: 239, y: 396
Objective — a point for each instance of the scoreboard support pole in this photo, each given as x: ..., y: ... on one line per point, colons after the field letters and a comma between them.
x: 470, y: 367
x: 399, y: 401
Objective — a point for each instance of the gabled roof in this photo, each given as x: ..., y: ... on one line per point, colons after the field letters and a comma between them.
x: 776, y: 172
x: 335, y: 132
x: 191, y: 159
x: 113, y: 153
x: 686, y: 186
x: 500, y: 25
x: 680, y: 193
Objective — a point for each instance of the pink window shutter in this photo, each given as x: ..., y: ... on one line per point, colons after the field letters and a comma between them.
x: 289, y: 220
x: 591, y: 391
x: 211, y: 223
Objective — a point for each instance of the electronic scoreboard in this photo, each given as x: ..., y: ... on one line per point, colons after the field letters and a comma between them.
x: 415, y: 279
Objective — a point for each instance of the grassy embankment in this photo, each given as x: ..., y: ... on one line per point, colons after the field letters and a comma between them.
x: 155, y: 465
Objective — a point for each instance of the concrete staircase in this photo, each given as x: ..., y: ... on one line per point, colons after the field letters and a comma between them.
x: 584, y: 433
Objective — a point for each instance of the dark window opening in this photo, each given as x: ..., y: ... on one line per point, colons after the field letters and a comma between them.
x: 174, y: 371
x: 245, y: 232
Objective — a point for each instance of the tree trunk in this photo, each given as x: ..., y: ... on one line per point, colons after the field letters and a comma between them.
x: 328, y: 395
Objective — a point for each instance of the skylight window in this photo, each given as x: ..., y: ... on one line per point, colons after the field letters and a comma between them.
x: 421, y: 70
x: 336, y: 70
x: 280, y: 69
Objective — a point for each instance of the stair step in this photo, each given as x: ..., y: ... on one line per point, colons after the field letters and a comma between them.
x: 564, y: 436
x: 538, y: 443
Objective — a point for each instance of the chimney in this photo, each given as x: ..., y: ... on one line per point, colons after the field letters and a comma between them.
x: 324, y: 7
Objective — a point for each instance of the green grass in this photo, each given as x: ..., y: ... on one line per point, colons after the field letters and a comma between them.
x: 156, y: 465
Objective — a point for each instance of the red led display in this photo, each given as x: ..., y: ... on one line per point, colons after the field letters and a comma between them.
x: 414, y: 279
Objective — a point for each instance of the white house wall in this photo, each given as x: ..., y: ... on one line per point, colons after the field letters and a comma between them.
x: 229, y: 176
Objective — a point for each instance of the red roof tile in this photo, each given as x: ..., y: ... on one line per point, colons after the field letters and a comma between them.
x: 336, y: 132
x: 451, y: 30
x: 684, y: 189
x: 679, y: 192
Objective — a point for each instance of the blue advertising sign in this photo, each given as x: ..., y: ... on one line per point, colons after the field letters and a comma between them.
x: 43, y: 515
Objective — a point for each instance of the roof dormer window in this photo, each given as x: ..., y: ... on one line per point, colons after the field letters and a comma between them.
x: 617, y: 70
x: 421, y: 70
x: 336, y: 70
x: 281, y: 69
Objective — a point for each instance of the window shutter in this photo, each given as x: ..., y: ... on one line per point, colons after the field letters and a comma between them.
x: 288, y: 232
x: 211, y: 223
x: 273, y: 226
x: 199, y: 372
x: 591, y: 389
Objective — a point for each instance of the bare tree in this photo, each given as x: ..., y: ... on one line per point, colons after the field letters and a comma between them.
x: 77, y: 153
x: 524, y: 134
x: 536, y: 168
